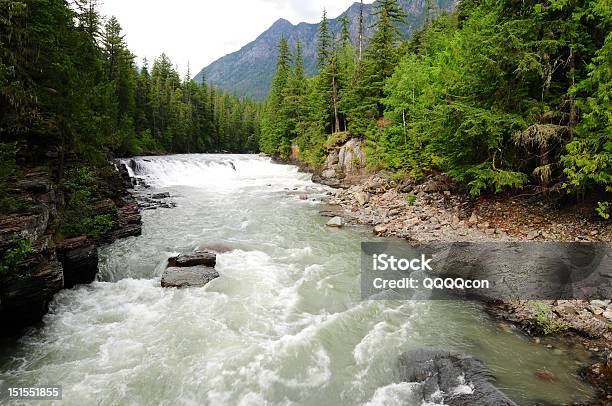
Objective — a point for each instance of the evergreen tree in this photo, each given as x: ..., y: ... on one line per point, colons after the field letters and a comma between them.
x: 326, y: 47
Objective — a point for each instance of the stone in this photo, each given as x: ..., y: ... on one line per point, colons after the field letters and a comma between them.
x: 596, y: 310
x: 336, y: 222
x: 303, y: 196
x: 406, y: 187
x: 205, y: 258
x: 483, y: 226
x: 600, y: 303
x: 328, y: 174
x: 473, y: 220
x: 608, y: 314
x: 79, y: 258
x: 490, y: 231
x: 412, y: 222
x: 532, y: 235
x: 362, y: 198
x: 158, y: 196
x: 439, y: 372
x: 455, y: 221
x: 351, y: 157
x: 381, y: 229
x: 196, y: 276
x: 25, y: 299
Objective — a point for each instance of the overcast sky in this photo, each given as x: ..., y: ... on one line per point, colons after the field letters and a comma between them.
x: 201, y: 31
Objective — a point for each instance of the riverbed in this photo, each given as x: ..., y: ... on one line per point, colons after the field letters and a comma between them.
x: 284, y: 324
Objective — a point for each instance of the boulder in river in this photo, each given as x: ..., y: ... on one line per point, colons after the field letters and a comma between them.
x: 193, y: 277
x: 206, y: 258
x: 462, y: 379
x: 335, y: 222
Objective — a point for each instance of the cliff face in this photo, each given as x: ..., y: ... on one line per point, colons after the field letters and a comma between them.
x: 48, y: 266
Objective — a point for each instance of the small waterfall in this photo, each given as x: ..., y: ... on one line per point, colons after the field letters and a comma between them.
x: 212, y: 171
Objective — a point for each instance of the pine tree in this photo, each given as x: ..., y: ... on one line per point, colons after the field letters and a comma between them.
x: 325, y: 44
x: 275, y: 137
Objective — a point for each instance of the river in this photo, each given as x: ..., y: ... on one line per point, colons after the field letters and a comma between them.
x: 284, y: 324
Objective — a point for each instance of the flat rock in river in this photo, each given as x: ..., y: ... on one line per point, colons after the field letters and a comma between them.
x: 206, y: 258
x: 335, y: 222
x: 193, y: 277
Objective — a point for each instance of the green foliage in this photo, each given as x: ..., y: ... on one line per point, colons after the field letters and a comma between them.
x: 545, y: 319
x: 491, y: 102
x: 603, y: 209
x: 411, y: 199
x: 588, y: 157
x: 8, y: 169
x: 80, y: 216
x: 69, y: 86
x: 18, y: 250
x: 498, y: 95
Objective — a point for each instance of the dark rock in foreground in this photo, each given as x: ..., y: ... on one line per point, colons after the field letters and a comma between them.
x: 79, y: 257
x: 27, y: 288
x: 196, y: 276
x: 445, y: 372
x: 24, y: 298
x: 205, y: 258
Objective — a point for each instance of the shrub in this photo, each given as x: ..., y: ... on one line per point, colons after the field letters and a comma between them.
x: 18, y: 251
x: 80, y: 216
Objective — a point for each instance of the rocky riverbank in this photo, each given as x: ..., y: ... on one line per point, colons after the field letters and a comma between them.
x: 44, y: 264
x: 433, y: 209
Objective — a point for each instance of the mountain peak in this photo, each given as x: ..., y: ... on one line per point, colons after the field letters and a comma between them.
x: 281, y: 22
x: 250, y: 71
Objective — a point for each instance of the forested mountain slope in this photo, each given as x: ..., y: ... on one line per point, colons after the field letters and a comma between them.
x: 250, y: 70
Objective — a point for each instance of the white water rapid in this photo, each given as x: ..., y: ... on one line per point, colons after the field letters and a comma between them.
x: 283, y: 325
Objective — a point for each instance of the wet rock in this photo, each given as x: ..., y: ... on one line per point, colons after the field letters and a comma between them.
x: 600, y: 373
x: 31, y: 225
x: 24, y: 297
x: 196, y: 276
x: 332, y: 182
x: 79, y: 258
x: 335, y: 222
x: 159, y: 196
x: 545, y: 376
x: 443, y: 371
x: 205, y: 258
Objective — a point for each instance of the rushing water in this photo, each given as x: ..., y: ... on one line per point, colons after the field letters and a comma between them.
x: 284, y: 324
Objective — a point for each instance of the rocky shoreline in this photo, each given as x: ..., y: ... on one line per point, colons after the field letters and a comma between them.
x: 433, y: 209
x: 50, y: 265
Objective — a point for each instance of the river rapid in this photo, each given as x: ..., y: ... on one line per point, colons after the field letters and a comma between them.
x: 283, y: 325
